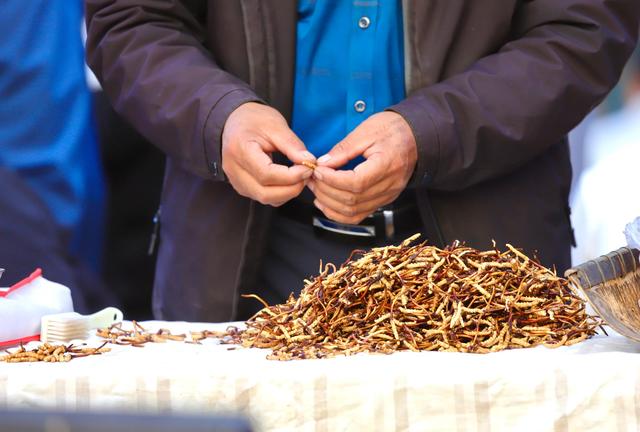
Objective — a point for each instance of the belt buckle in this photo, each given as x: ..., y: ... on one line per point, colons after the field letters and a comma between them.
x: 368, y: 231
x: 389, y: 224
x: 383, y: 222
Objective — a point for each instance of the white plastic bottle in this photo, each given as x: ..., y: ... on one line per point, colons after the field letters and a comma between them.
x: 23, y: 305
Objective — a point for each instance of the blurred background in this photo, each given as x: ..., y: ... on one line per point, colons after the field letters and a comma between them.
x: 79, y: 188
x: 605, y: 153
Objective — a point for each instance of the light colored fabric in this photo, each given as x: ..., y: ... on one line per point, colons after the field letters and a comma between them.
x: 594, y: 385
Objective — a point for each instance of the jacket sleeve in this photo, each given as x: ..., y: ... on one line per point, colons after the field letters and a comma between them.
x: 508, y: 107
x: 150, y: 59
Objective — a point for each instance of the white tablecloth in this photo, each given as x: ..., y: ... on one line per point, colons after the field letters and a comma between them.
x: 594, y: 385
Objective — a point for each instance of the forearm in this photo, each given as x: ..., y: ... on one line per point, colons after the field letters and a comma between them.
x: 509, y: 107
x: 149, y: 57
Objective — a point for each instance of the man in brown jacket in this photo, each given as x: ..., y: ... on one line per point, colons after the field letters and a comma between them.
x: 478, y: 144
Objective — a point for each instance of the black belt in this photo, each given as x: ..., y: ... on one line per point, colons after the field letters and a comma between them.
x: 383, y: 224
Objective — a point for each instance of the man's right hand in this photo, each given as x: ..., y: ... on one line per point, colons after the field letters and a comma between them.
x: 251, y: 134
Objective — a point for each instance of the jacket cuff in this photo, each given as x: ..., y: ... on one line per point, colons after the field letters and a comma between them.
x: 428, y: 139
x: 214, y: 123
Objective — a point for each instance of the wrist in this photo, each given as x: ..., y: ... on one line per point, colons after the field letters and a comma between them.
x: 425, y: 161
x: 214, y: 126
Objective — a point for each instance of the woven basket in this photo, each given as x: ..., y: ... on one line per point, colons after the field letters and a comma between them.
x: 611, y: 284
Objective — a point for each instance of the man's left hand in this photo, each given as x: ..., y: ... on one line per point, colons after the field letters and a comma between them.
x: 387, y: 143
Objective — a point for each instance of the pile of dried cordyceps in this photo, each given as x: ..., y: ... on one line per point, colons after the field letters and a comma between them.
x: 419, y: 297
x: 51, y: 353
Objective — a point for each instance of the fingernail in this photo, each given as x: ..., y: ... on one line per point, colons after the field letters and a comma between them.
x: 317, y: 204
x: 311, y: 186
x: 307, y: 156
x: 317, y: 174
x: 324, y: 159
x: 307, y: 174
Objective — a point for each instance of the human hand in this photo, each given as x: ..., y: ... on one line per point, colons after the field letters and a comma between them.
x: 389, y: 147
x: 251, y: 134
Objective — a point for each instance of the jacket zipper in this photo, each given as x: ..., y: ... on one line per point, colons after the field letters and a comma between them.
x: 407, y: 46
x: 155, y: 233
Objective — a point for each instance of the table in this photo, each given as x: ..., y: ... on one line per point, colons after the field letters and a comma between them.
x: 594, y: 385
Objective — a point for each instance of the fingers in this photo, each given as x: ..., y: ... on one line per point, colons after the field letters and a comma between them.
x: 346, y: 210
x: 387, y: 143
x: 329, y: 195
x: 350, y: 196
x: 254, y: 175
x: 257, y: 121
x: 346, y: 150
x: 251, y: 133
x: 358, y: 180
x: 267, y: 173
x: 268, y: 195
x: 288, y: 143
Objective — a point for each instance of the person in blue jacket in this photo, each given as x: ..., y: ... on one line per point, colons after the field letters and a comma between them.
x: 46, y: 131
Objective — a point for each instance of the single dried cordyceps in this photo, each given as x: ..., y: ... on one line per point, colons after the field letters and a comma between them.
x: 419, y: 297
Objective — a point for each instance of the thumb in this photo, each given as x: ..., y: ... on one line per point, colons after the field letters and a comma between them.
x: 288, y: 143
x: 346, y: 150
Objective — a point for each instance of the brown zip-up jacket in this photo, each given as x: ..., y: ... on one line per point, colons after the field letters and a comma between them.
x: 493, y: 88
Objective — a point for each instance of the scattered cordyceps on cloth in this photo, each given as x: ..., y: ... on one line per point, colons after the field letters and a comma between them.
x: 137, y: 336
x: 421, y: 298
x: 51, y: 353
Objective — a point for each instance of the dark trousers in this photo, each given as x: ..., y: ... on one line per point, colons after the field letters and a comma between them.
x: 294, y: 252
x: 133, y: 170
